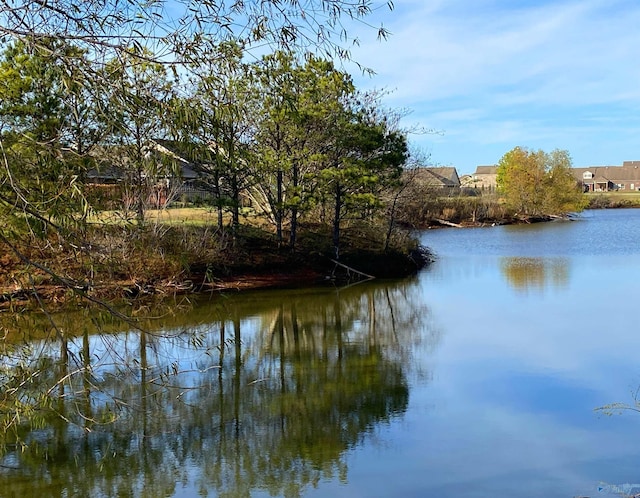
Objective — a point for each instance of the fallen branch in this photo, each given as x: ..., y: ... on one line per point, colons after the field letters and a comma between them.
x: 448, y: 223
x: 348, y: 268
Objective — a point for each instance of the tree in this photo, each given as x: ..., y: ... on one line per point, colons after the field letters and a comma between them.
x: 275, y: 75
x: 44, y: 131
x: 137, y: 105
x: 361, y: 156
x: 196, y: 132
x: 564, y: 195
x: 214, y: 127
x: 536, y: 183
x: 301, y: 101
x: 229, y: 92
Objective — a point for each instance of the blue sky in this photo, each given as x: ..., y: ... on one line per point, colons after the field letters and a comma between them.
x: 490, y: 75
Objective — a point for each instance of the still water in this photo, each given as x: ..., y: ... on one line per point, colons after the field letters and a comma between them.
x: 481, y: 377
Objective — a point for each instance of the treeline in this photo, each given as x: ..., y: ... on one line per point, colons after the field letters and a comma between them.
x: 291, y: 134
x: 531, y: 186
x: 249, y: 96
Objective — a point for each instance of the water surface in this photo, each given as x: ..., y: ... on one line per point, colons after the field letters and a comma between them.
x: 480, y: 377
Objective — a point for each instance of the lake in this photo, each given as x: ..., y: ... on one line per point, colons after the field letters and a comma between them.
x: 483, y: 376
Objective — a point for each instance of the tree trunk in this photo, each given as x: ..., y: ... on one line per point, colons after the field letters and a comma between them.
x: 392, y: 220
x: 235, y: 208
x: 139, y: 198
x: 218, y: 194
x: 235, y: 191
x: 336, y: 221
x: 294, y: 228
x: 294, y: 211
x: 279, y: 210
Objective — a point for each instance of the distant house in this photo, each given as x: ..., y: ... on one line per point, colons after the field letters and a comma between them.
x: 466, y: 181
x: 112, y: 165
x: 485, y: 177
x: 608, y: 178
x: 167, y: 175
x: 445, y: 177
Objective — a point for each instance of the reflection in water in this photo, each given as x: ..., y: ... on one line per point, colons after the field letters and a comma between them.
x: 535, y: 273
x: 261, y: 391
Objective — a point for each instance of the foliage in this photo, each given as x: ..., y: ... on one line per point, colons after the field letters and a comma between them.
x: 135, y: 90
x: 536, y: 183
x: 43, y: 134
x: 183, y: 31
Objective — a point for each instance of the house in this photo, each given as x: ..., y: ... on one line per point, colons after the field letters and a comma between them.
x: 484, y: 178
x: 113, y: 165
x: 443, y: 177
x: 166, y: 175
x: 608, y: 178
x: 466, y: 181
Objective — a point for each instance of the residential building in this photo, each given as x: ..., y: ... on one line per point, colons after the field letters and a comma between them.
x: 608, y: 178
x: 443, y: 177
x: 484, y: 178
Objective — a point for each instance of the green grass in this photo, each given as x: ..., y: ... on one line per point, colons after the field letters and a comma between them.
x: 617, y: 193
x: 613, y: 199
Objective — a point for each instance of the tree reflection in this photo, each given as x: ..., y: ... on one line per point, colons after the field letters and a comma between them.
x: 535, y: 273
x: 253, y: 392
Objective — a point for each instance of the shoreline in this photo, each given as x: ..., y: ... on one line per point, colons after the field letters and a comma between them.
x: 519, y: 220
x: 256, y: 267
x: 294, y: 270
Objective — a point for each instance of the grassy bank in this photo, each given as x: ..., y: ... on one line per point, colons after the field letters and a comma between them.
x: 607, y: 200
x: 459, y: 210
x: 489, y: 210
x: 182, y: 250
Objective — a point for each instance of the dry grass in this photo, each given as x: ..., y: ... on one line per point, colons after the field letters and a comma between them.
x: 192, y: 216
x: 186, y: 216
x: 424, y: 212
x: 183, y: 249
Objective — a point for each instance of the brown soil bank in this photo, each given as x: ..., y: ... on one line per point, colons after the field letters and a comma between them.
x: 258, y: 262
x: 130, y: 263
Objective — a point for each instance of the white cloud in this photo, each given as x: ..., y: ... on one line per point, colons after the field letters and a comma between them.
x: 494, y: 73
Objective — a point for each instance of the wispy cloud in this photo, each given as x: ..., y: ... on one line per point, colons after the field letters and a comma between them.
x: 502, y: 76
